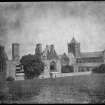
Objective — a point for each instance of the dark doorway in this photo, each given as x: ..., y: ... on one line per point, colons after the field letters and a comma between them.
x: 53, y: 66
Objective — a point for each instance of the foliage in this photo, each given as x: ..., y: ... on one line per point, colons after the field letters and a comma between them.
x: 100, y: 69
x: 10, y: 79
x: 32, y: 65
x: 3, y: 58
x: 67, y: 69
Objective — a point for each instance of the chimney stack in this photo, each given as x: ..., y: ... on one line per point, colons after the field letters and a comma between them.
x: 15, y: 52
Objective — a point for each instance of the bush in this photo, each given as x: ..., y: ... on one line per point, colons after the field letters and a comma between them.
x: 100, y: 69
x: 10, y: 79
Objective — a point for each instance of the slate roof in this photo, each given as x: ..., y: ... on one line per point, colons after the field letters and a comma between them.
x: 91, y: 54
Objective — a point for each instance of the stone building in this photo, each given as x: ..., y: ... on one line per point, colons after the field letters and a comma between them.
x: 14, y: 68
x: 84, y: 61
x: 80, y: 61
x: 51, y: 61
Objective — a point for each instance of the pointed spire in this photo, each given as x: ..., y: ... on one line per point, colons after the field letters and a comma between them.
x: 73, y: 39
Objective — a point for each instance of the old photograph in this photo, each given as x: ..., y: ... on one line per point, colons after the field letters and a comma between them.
x: 52, y: 52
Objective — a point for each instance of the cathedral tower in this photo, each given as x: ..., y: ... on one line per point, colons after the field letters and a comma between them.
x: 74, y: 47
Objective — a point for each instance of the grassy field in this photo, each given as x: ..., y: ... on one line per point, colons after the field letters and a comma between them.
x: 92, y: 86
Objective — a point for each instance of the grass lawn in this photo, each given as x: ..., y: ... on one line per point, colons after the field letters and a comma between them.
x: 93, y: 85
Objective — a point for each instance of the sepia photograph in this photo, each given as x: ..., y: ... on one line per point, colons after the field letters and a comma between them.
x: 52, y: 52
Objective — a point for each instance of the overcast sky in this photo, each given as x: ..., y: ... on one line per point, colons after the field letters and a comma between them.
x: 52, y: 23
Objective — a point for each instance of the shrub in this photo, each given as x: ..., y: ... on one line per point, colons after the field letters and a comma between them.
x: 10, y: 79
x: 100, y: 69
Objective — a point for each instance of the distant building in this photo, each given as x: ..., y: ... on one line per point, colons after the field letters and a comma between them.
x: 85, y: 61
x: 79, y: 61
x: 74, y: 47
x: 51, y: 61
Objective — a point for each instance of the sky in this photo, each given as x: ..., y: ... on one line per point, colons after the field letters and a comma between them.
x: 29, y: 23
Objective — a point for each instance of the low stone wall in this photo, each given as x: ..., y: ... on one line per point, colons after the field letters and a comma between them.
x: 72, y: 74
x: 55, y: 75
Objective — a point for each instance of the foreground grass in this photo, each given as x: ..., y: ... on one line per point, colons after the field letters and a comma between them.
x: 92, y: 85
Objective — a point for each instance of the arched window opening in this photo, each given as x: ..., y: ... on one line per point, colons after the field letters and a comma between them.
x: 53, y: 66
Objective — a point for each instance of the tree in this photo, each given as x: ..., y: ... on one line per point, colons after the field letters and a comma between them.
x: 32, y: 65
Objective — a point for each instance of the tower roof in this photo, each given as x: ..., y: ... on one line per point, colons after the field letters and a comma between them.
x: 73, y: 40
x: 17, y: 44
